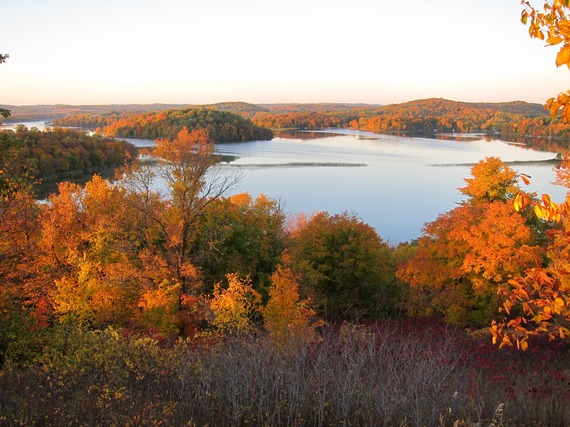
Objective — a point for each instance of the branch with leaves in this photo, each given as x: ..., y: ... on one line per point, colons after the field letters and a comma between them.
x: 539, y: 301
x: 552, y: 25
x: 3, y: 111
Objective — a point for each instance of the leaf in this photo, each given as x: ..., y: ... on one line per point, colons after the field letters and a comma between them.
x: 524, y: 345
x: 563, y: 56
x: 525, y: 178
x: 559, y: 305
x: 553, y: 40
x: 554, y: 106
x: 517, y: 203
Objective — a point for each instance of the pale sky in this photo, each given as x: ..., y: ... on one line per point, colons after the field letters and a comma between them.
x: 271, y: 51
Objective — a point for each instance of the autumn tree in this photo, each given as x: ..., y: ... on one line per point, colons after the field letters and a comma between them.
x: 468, y: 253
x: 286, y: 317
x: 492, y: 180
x: 234, y: 306
x: 537, y: 302
x: 552, y: 25
x: 194, y: 180
x: 85, y: 240
x: 344, y: 266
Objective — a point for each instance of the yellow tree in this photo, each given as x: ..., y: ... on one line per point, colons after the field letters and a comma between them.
x: 234, y: 306
x: 84, y: 234
x: 286, y: 317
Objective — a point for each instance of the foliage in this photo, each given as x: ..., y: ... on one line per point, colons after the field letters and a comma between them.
x: 195, y: 181
x: 241, y: 235
x: 386, y: 374
x: 537, y: 302
x: 286, y: 318
x: 492, y: 180
x: 222, y: 126
x: 465, y: 255
x: 552, y: 26
x: 345, y: 267
x: 60, y: 153
x: 234, y: 307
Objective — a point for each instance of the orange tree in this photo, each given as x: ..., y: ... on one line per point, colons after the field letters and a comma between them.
x: 465, y: 255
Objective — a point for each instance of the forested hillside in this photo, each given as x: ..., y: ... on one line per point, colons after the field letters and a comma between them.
x: 221, y: 125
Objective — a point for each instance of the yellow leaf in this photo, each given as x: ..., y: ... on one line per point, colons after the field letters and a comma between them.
x: 563, y: 56
x: 524, y: 345
x: 517, y: 204
x: 538, y: 211
x: 553, y: 40
x: 559, y: 305
x: 554, y: 107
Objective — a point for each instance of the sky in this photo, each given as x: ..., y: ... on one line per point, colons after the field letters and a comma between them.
x: 271, y: 51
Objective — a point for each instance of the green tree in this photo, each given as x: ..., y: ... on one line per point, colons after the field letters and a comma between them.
x: 241, y: 235
x: 345, y: 267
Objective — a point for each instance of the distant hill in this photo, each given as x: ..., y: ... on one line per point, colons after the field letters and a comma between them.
x: 315, y: 108
x: 39, y: 112
x: 445, y: 107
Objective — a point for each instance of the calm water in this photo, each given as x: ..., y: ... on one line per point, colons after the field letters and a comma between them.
x: 396, y: 184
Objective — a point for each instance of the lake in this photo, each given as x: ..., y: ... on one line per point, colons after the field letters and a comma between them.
x: 396, y: 184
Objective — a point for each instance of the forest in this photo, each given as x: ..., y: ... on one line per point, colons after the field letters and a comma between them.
x: 121, y: 303
x: 59, y: 154
x: 222, y: 126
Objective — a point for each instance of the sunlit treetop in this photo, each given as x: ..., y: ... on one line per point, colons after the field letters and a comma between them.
x: 492, y: 181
